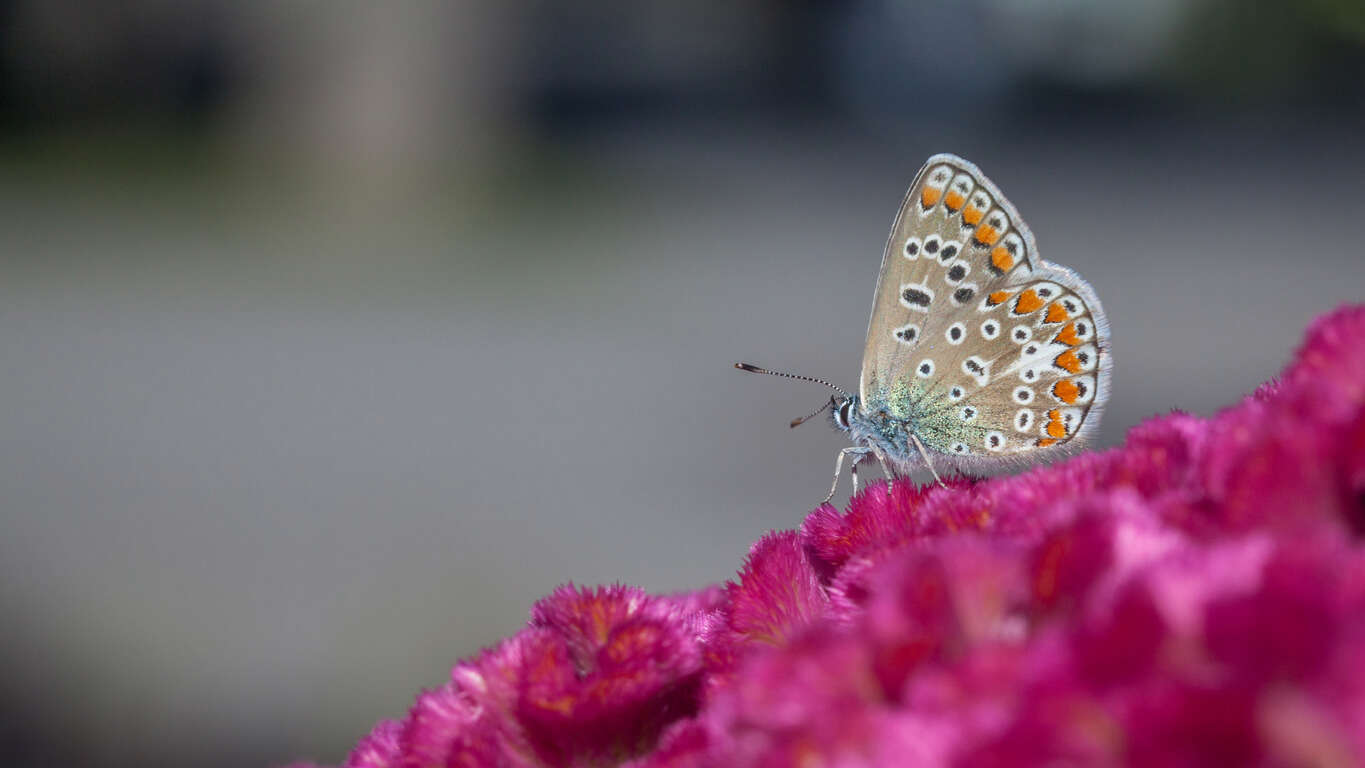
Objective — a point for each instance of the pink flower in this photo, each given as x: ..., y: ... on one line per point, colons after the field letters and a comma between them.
x: 1195, y: 596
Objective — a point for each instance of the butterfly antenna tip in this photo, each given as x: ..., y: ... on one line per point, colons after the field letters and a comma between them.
x: 798, y: 422
x: 755, y: 369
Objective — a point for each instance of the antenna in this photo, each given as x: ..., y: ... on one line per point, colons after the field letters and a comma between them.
x: 756, y: 369
x: 798, y: 422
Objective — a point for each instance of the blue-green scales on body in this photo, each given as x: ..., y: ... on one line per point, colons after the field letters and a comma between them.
x: 887, y: 420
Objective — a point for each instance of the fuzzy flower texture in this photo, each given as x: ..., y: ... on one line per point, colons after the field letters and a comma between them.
x: 1194, y: 597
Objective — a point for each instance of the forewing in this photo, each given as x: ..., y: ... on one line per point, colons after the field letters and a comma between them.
x: 992, y: 350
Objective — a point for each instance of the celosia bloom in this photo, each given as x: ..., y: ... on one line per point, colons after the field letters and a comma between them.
x: 1196, y: 596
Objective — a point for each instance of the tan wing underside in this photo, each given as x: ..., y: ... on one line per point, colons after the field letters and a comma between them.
x: 1015, y: 340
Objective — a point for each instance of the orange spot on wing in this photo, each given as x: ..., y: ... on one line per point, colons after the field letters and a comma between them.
x: 999, y: 297
x: 954, y: 200
x: 986, y: 235
x: 1028, y: 302
x: 1055, y: 427
x: 1066, y: 391
x: 1044, y: 442
x: 1002, y: 259
x: 1068, y: 362
x: 1068, y: 336
x: 930, y: 196
x: 971, y: 216
x: 1056, y: 313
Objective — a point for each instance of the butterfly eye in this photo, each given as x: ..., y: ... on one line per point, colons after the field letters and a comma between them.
x: 1023, y: 394
x: 956, y: 333
x: 957, y: 272
x: 1021, y: 334
x: 845, y: 413
x: 995, y: 441
x: 961, y: 448
x: 925, y: 369
x: 990, y: 329
x: 964, y: 294
x: 907, y: 334
x: 967, y: 413
x: 1023, y: 420
x: 955, y: 394
x: 931, y: 244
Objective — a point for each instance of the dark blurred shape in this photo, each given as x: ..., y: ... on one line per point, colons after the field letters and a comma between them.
x: 109, y: 65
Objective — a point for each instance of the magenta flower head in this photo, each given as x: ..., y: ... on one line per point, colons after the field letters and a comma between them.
x: 1195, y: 596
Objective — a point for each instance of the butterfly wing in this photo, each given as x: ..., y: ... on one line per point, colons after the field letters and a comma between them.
x: 985, y: 348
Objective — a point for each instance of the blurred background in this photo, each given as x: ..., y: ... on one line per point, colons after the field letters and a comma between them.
x: 332, y: 335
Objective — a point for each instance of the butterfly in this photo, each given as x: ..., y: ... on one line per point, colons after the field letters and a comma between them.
x: 979, y: 354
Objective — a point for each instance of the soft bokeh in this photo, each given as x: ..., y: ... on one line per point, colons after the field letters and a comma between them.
x: 336, y: 335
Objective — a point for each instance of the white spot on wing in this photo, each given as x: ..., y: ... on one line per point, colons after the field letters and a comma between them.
x: 978, y: 369
x: 963, y: 185
x: 907, y: 334
x: 912, y: 248
x: 912, y: 297
x: 949, y: 251
x: 1047, y: 291
x: 964, y: 293
x: 1073, y: 305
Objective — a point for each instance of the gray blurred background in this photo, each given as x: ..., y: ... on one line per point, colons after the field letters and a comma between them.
x: 335, y: 334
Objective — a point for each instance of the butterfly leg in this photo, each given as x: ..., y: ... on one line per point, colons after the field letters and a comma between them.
x: 839, y: 468
x: 885, y: 471
x: 853, y: 470
x: 927, y: 462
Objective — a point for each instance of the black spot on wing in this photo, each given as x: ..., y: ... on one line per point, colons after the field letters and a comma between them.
x: 916, y: 297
